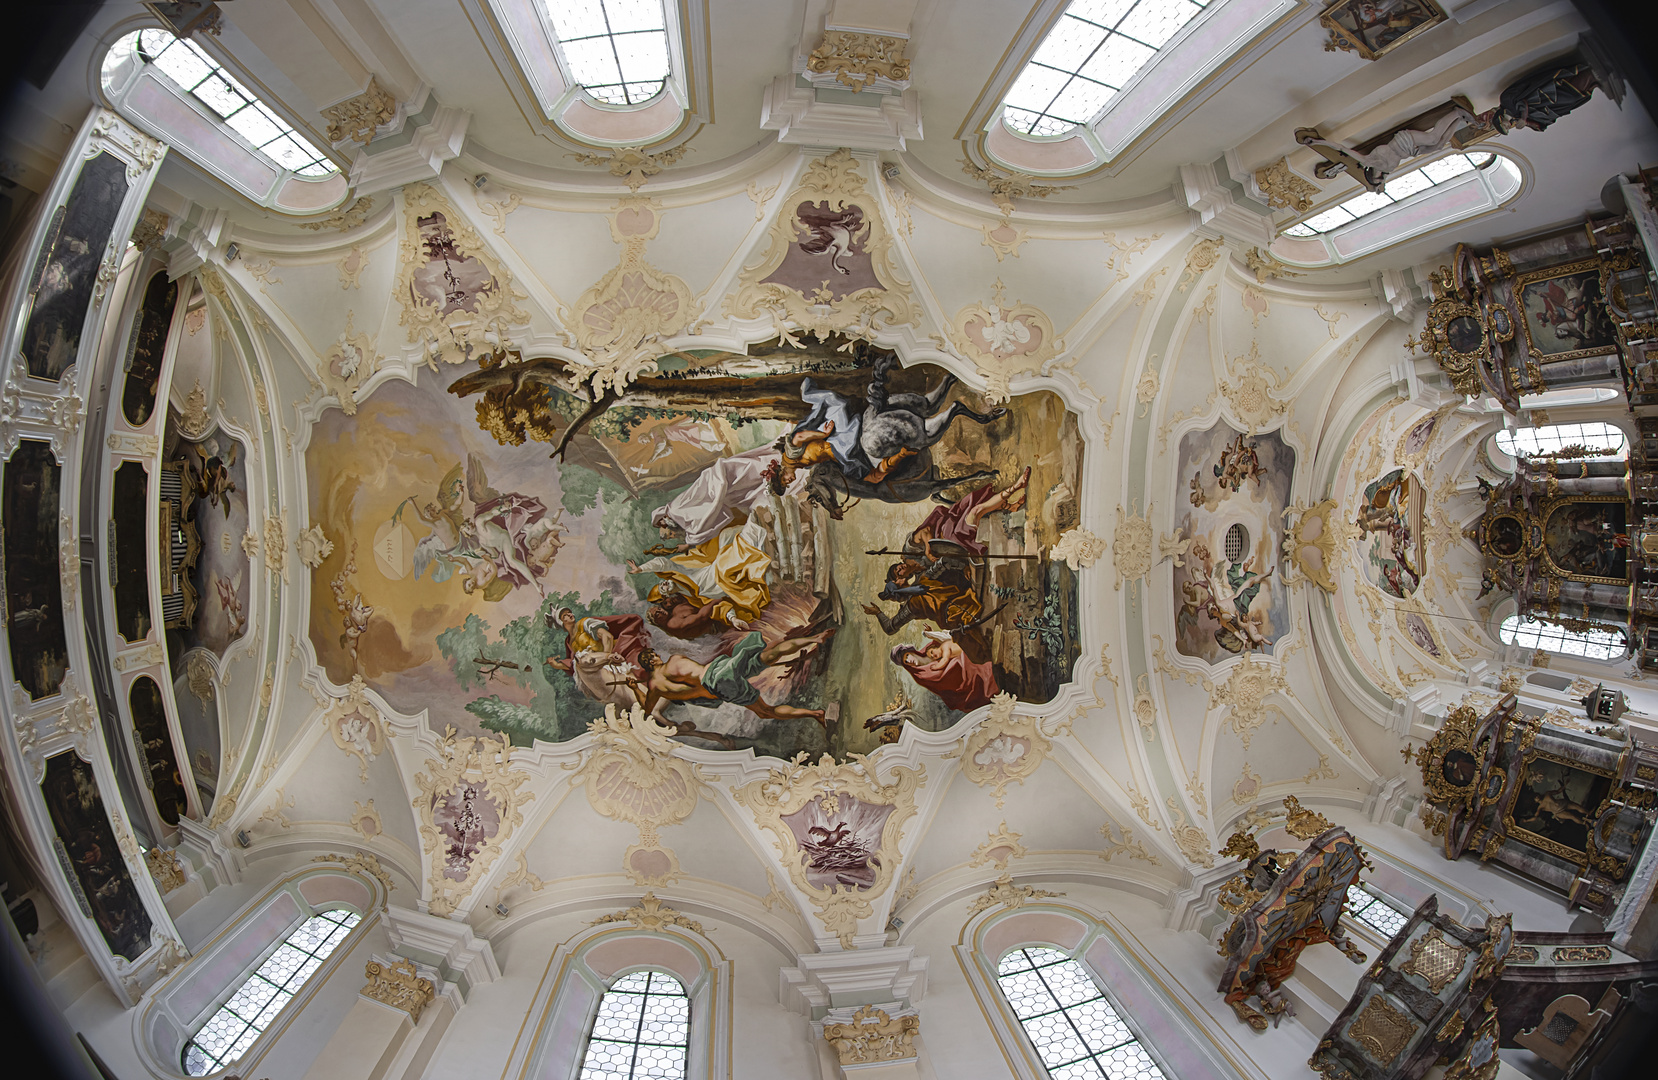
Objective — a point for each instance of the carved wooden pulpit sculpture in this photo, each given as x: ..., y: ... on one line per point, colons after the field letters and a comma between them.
x: 1281, y: 904
x: 1427, y: 999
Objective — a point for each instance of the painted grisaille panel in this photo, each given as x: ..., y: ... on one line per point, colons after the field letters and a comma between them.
x: 34, y: 590
x: 86, y: 844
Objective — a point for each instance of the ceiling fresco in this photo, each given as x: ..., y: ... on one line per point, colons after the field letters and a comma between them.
x: 796, y: 550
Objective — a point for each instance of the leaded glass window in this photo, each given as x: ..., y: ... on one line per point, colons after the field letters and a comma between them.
x: 642, y: 1031
x: 192, y: 70
x: 228, y: 1033
x: 616, y: 50
x: 1609, y: 643
x: 1076, y: 1030
x: 1373, y: 911
x: 1399, y: 187
x: 1607, y: 440
x: 1092, y: 52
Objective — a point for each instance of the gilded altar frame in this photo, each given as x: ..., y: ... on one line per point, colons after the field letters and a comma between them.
x: 1539, y: 536
x: 1550, y: 273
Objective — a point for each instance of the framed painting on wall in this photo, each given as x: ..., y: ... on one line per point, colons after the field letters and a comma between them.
x: 1563, y: 311
x: 1555, y: 806
x: 1374, y: 27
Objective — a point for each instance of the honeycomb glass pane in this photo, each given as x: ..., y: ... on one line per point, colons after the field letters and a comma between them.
x: 642, y: 1029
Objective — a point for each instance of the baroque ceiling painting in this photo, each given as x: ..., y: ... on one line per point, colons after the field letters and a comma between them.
x: 817, y: 538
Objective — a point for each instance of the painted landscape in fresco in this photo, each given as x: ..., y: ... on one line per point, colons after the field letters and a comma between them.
x: 791, y: 550
x: 1228, y: 599
x: 68, y: 266
x: 1390, y: 527
x: 71, y: 793
x: 34, y: 585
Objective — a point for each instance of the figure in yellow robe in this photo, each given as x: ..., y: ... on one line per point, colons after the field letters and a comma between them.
x: 728, y: 571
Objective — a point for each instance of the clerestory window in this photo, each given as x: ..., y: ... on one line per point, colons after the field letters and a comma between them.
x: 1092, y: 52
x: 616, y: 50
x: 1400, y: 187
x: 1606, y: 440
x: 1074, y: 1027
x: 642, y: 1030
x: 196, y: 73
x: 1374, y: 912
x: 228, y: 1033
x: 1609, y: 643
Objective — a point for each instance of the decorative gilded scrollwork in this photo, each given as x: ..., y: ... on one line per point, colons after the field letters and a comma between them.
x: 400, y: 986
x: 357, y: 118
x: 1284, y: 189
x: 871, y: 1036
x: 1312, y: 535
x: 1434, y: 960
x: 633, y: 165
x: 1253, y: 390
x: 1382, y: 1029
x: 859, y: 59
x: 1008, y: 895
x: 838, y: 827
x: 468, y: 806
x: 1244, y: 693
x: 650, y: 914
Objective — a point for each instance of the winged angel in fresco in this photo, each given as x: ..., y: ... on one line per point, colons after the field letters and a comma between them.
x: 508, y: 541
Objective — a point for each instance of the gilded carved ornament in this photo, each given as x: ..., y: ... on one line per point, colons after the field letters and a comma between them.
x: 873, y: 1036
x: 467, y: 808
x: 1004, y: 189
x: 650, y: 914
x: 859, y: 59
x: 862, y: 809
x: 833, y: 188
x: 622, y: 322
x: 1005, y: 748
x: 1284, y: 189
x: 1131, y: 546
x: 1253, y: 390
x: 1265, y: 266
x: 632, y: 775
x: 356, y: 118
x: 1244, y: 695
x: 1007, y: 895
x: 632, y: 164
x: 1003, y: 340
x: 347, y: 219
x: 400, y: 986
x: 165, y: 868
x: 452, y: 323
x: 1311, y: 541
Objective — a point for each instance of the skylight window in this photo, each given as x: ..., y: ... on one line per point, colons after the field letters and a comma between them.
x: 1598, y: 644
x: 1401, y: 187
x: 202, y: 77
x: 1093, y: 51
x: 616, y: 50
x: 1604, y: 439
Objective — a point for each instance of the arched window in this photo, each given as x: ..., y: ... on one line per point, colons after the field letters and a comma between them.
x: 1074, y: 1027
x: 1600, y: 644
x: 643, y: 1029
x: 1091, y: 53
x: 616, y: 50
x: 1608, y: 439
x: 228, y: 1033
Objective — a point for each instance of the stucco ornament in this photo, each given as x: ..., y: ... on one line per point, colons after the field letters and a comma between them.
x: 365, y: 864
x: 1004, y: 189
x: 1007, y: 895
x: 164, y: 866
x: 1201, y: 257
x: 650, y: 914
x: 1310, y: 544
x: 1192, y: 841
x: 1131, y: 546
x: 1244, y: 694
x: 621, y: 323
x: 859, y: 59
x: 356, y: 118
x: 194, y: 420
x: 400, y: 986
x: 1003, y: 340
x: 829, y: 267
x: 1005, y: 748
x: 458, y: 300
x: 313, y: 546
x: 1284, y: 189
x: 632, y: 164
x: 1079, y: 548
x: 1253, y: 391
x: 1145, y: 707
x: 349, y: 361
x: 999, y: 847
x: 632, y: 775
x: 838, y: 826
x: 468, y: 807
x: 872, y: 1036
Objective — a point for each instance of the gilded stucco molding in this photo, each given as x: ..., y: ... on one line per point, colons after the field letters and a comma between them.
x: 1201, y: 257
x: 632, y: 775
x: 1125, y: 250
x: 650, y: 914
x: 1006, y: 894
x: 400, y: 986
x: 632, y: 165
x: 1127, y: 845
x: 1004, y: 189
x: 347, y: 219
x: 165, y: 868
x: 837, y: 826
x: 1311, y: 539
x: 1005, y: 748
x: 845, y: 224
x: 1003, y: 340
x: 366, y: 864
x: 1284, y: 189
x: 859, y: 59
x: 452, y: 322
x: 1244, y: 695
x: 1253, y: 390
x: 999, y: 848
x: 356, y: 118
x: 873, y: 1036
x: 468, y: 807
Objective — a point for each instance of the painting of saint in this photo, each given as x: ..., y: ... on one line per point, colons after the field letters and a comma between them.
x: 762, y: 550
x: 1589, y: 539
x: 67, y: 268
x: 1227, y: 597
x: 1390, y: 525
x: 70, y: 790
x: 1564, y: 313
x: 34, y: 590
x: 1373, y: 27
x: 1416, y: 628
x: 1416, y: 437
x: 1559, y: 803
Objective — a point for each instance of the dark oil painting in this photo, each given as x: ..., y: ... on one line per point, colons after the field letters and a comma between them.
x: 1559, y: 803
x: 149, y: 724
x: 67, y: 270
x: 77, y: 809
x: 132, y: 551
x: 146, y: 348
x: 34, y: 590
x: 1589, y: 539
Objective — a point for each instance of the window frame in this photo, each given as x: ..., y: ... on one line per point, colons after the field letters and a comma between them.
x: 636, y: 1043
x: 1557, y: 632
x: 1374, y: 897
x: 1348, y: 241
x: 1117, y: 1011
x: 148, y: 99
